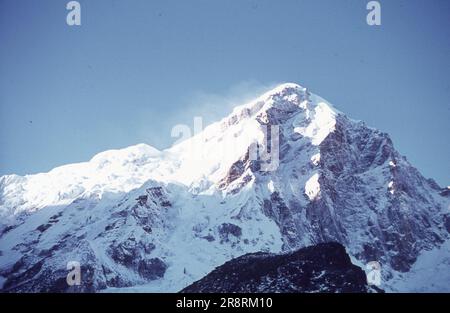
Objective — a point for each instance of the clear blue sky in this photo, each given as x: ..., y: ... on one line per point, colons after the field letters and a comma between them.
x: 133, y: 69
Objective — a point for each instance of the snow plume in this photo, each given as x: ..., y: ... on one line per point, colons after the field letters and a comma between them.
x: 211, y: 107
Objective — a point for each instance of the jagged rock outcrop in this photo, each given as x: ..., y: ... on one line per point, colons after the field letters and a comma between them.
x: 322, y: 268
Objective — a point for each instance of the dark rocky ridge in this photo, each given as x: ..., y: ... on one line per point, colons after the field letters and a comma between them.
x: 324, y: 268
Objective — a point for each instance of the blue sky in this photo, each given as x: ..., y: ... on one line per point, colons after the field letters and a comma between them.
x: 134, y: 69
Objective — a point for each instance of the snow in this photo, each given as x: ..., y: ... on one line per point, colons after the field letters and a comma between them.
x: 430, y: 273
x: 323, y: 121
x: 199, y: 162
x: 190, y: 174
x: 312, y: 187
x: 270, y: 186
x: 315, y: 159
x: 391, y: 187
x: 112, y: 171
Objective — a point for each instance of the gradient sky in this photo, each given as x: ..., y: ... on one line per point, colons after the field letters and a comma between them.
x: 134, y: 69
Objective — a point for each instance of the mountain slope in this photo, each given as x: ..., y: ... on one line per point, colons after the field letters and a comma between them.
x: 321, y: 268
x: 163, y: 219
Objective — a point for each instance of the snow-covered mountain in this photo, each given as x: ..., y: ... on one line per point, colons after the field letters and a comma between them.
x: 144, y: 219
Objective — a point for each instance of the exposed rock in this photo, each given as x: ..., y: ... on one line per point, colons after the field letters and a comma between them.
x: 320, y: 268
x: 133, y: 255
x: 142, y: 200
x: 209, y: 237
x: 227, y: 229
x: 152, y: 269
x: 447, y: 222
x: 43, y: 227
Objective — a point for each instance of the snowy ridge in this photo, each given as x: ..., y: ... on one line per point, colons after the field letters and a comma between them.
x: 142, y: 219
x: 109, y: 171
x: 207, y: 156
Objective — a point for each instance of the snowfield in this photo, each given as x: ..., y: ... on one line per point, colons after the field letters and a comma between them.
x: 140, y: 219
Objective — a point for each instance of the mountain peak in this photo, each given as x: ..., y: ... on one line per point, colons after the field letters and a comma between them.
x: 283, y: 87
x: 284, y: 90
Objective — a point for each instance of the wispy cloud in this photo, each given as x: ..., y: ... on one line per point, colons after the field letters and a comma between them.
x: 210, y: 106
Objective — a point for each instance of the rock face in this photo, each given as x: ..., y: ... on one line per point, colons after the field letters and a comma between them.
x: 322, y: 268
x: 159, y: 220
x: 114, y: 250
